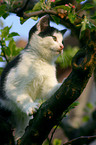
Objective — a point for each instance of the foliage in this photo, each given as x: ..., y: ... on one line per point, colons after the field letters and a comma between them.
x: 8, y: 45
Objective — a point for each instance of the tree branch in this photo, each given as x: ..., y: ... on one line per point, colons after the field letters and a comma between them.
x: 37, y: 13
x: 78, y: 139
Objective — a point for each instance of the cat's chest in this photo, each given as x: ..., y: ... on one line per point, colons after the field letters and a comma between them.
x: 42, y: 73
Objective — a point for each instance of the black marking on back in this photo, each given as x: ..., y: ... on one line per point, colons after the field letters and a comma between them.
x: 5, y: 72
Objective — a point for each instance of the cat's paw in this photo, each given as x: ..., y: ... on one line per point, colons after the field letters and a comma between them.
x: 31, y: 108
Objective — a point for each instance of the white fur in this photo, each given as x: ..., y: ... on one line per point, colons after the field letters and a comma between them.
x: 33, y: 79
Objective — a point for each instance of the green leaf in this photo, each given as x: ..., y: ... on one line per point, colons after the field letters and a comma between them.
x: 57, y: 142
x: 11, y: 48
x: 5, y: 31
x: 83, y: 26
x: 73, y: 105
x: 56, y: 19
x: 13, y: 34
x: 7, y: 52
x: 86, y: 24
x: 87, y: 6
x: 22, y: 20
x: 1, y: 59
x: 62, y: 7
x: 35, y: 18
x: 71, y: 17
x: 37, y: 7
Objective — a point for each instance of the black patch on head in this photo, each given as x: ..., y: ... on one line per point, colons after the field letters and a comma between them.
x: 6, y: 70
x: 48, y: 32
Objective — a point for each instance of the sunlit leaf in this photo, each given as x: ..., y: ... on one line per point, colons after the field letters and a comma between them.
x: 5, y: 31
x: 62, y: 7
x: 35, y: 18
x: 13, y: 34
x: 57, y: 142
x: 22, y: 20
x: 37, y: 7
x: 73, y: 105
x: 11, y: 48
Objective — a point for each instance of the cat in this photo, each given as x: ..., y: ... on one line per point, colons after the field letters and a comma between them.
x: 30, y: 78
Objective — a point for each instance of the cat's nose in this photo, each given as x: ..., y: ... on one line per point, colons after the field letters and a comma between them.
x: 61, y: 47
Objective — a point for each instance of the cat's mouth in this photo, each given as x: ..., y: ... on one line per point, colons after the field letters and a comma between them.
x: 57, y: 51
x: 60, y: 51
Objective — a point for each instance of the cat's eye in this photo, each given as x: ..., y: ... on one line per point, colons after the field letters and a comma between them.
x: 54, y: 38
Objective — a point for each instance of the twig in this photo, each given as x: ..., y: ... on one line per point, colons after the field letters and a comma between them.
x: 79, y: 138
x: 25, y: 15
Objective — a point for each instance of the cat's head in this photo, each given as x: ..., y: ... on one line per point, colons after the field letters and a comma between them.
x: 47, y: 41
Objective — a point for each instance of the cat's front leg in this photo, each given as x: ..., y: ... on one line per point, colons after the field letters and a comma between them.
x: 26, y: 104
x: 31, y: 107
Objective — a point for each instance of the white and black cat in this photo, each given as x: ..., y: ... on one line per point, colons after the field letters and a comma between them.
x: 30, y: 78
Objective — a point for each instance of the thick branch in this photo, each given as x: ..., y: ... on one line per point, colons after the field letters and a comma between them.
x: 51, y: 111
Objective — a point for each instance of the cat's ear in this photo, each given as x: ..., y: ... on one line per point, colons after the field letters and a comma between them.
x: 43, y: 23
x: 63, y: 31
